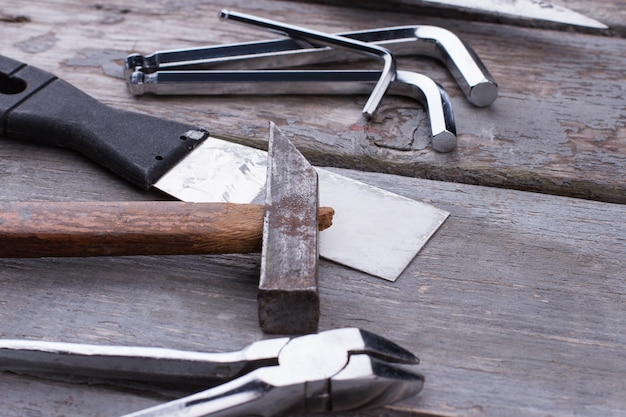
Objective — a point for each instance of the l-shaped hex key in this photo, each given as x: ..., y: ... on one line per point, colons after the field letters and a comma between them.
x: 478, y: 85
x: 387, y: 75
x: 419, y: 87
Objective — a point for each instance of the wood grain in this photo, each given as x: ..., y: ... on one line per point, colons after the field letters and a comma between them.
x: 39, y: 229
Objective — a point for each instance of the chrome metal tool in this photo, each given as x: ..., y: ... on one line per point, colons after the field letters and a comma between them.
x: 184, y: 72
x: 409, y: 84
x: 334, y: 371
x: 387, y: 75
x: 463, y: 63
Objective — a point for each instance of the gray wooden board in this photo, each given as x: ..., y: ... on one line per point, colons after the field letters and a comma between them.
x: 558, y: 126
x: 516, y: 306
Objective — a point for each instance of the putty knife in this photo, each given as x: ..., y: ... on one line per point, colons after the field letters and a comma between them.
x: 189, y: 164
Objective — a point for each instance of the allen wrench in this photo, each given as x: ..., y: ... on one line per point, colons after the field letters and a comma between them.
x: 181, y: 71
x: 292, y: 82
x: 469, y: 72
x: 387, y: 75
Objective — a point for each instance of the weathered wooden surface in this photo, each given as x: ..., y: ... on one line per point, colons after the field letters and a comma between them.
x: 516, y: 306
x: 557, y: 127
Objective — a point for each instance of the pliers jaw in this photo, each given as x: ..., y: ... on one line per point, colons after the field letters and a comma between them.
x: 367, y: 382
x: 372, y: 376
x: 344, y: 370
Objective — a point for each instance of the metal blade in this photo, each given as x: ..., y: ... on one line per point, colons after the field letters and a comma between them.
x: 373, y: 230
x: 217, y: 171
x: 536, y: 10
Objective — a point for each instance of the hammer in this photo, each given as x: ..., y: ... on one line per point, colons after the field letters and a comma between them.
x: 285, y: 231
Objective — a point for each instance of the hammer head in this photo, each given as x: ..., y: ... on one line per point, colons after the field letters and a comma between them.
x: 288, y: 297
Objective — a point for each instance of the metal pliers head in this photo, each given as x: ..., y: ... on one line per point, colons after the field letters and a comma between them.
x: 337, y: 370
x: 344, y: 370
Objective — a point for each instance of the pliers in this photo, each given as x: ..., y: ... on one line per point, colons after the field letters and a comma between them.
x: 333, y: 371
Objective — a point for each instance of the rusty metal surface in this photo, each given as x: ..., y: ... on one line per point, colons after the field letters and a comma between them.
x: 288, y: 299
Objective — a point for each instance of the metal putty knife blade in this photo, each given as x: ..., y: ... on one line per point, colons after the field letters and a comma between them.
x: 374, y: 231
x: 533, y: 10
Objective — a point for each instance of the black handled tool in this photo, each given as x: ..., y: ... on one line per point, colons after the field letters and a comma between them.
x: 37, y: 106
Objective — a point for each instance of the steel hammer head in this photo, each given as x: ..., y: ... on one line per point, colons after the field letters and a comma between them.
x: 288, y: 298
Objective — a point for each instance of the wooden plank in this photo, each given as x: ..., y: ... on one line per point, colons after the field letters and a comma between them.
x: 558, y: 126
x: 515, y: 307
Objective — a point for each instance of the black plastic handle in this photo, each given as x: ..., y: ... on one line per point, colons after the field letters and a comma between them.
x: 37, y: 106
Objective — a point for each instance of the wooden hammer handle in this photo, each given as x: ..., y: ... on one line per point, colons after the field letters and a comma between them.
x: 38, y: 229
